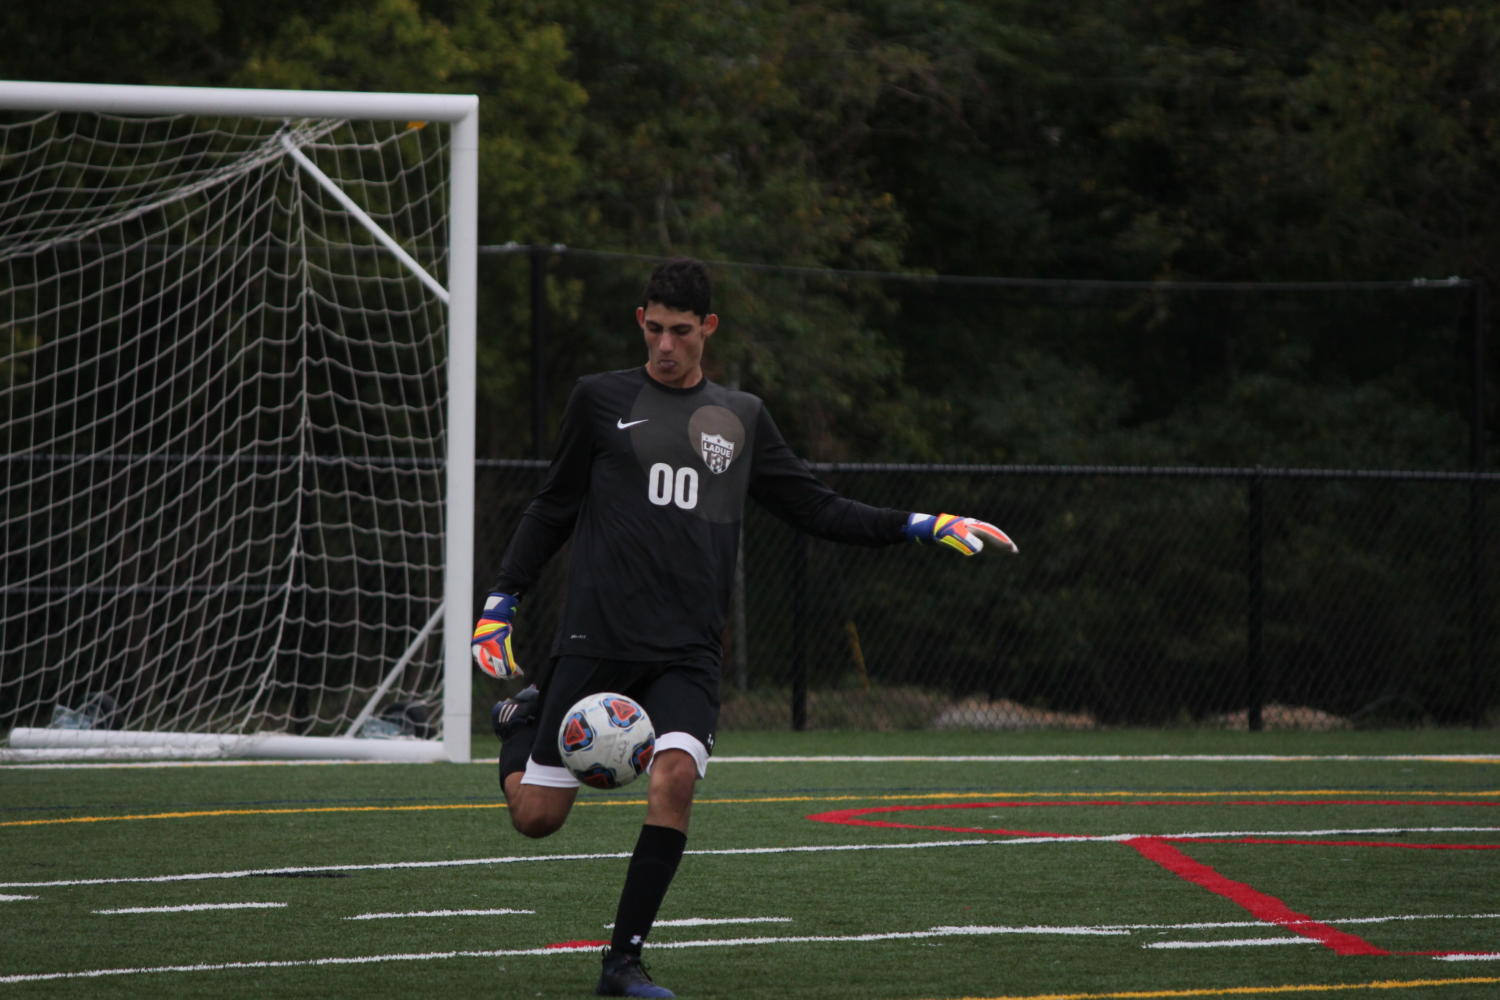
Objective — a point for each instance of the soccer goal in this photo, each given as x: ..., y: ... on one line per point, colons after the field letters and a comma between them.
x: 237, y: 370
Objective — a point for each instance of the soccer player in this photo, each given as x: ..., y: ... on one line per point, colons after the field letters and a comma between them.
x: 649, y: 480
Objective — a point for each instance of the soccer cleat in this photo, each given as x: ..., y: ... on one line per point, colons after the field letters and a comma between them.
x: 515, y: 712
x: 625, y: 976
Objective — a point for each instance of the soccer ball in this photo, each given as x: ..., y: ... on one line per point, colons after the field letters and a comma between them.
x: 606, y: 740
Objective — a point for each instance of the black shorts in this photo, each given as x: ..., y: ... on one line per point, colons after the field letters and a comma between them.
x: 682, y: 699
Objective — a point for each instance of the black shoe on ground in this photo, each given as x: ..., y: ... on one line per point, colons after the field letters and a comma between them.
x: 625, y: 976
x: 515, y: 712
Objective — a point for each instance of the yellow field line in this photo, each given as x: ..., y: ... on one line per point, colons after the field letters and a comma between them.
x: 207, y: 813
x: 1239, y: 793
x: 1225, y: 991
x: 757, y: 800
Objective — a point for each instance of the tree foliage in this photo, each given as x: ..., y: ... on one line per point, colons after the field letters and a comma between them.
x: 811, y: 142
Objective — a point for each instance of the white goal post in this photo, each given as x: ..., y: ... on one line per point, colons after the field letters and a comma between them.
x: 237, y: 393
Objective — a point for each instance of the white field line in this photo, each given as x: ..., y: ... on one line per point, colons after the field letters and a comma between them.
x: 991, y: 841
x: 193, y: 908
x: 14, y: 898
x: 934, y: 932
x: 1253, y: 942
x: 821, y: 759
x: 1490, y: 956
x: 1232, y: 924
x: 500, y: 912
x: 715, y: 921
x: 105, y: 765
x: 1236, y: 943
x: 1486, y: 758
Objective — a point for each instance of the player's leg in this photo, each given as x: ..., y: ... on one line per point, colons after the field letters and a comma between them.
x: 686, y: 702
x: 658, y: 849
x: 674, y: 779
x: 537, y: 810
x: 514, y: 722
x: 539, y: 791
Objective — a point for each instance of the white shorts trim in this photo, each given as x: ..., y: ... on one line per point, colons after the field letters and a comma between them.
x: 560, y: 777
x: 688, y: 742
x: 549, y: 776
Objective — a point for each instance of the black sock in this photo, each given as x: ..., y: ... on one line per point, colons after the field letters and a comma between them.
x: 516, y: 751
x: 657, y: 852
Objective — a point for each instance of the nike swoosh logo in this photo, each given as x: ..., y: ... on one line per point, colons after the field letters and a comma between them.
x: 620, y: 422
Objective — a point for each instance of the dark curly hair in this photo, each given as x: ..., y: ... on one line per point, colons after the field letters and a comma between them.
x: 680, y: 283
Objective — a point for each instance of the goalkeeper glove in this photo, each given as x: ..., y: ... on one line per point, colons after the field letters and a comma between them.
x: 491, y: 642
x: 966, y: 534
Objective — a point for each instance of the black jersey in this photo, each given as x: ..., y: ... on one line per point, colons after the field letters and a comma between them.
x: 650, y: 481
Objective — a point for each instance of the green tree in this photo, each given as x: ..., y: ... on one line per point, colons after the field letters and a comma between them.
x: 741, y: 143
x: 1105, y: 140
x: 1400, y: 119
x: 132, y: 41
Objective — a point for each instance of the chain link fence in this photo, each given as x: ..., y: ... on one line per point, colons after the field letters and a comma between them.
x: 1290, y: 590
x: 1245, y: 597
x: 1221, y: 598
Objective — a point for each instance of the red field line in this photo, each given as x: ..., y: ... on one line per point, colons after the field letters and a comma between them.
x: 1259, y: 904
x: 1161, y: 850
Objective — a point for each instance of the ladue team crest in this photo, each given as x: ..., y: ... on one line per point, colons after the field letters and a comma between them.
x: 717, y: 451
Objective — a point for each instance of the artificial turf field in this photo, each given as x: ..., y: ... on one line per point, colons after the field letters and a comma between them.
x: 1114, y: 864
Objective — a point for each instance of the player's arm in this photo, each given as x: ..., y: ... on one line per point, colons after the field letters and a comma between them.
x: 782, y: 483
x: 545, y: 526
x: 785, y: 485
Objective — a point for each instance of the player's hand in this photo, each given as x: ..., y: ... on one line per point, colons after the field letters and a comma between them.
x: 491, y: 642
x: 966, y: 534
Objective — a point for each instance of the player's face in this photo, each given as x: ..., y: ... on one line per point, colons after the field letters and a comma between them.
x: 674, y: 343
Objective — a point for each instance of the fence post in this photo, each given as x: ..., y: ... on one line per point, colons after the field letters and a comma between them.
x: 1255, y: 667
x: 799, y: 631
x: 538, y: 259
x: 1480, y: 691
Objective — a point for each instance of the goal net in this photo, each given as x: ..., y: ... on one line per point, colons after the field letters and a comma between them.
x: 236, y: 394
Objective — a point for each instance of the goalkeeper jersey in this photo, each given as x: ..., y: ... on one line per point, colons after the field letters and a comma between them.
x: 649, y: 483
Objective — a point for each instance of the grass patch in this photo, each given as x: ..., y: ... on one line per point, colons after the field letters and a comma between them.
x: 858, y: 911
